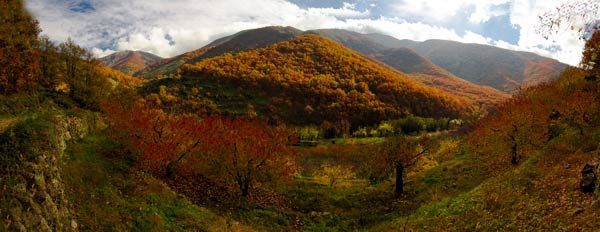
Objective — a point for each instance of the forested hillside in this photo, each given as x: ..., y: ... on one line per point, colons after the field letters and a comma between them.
x: 401, y: 59
x: 415, y: 66
x: 310, y: 80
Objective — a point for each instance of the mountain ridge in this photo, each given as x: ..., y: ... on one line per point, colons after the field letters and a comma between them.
x: 502, y: 69
x: 239, y: 41
x: 419, y: 68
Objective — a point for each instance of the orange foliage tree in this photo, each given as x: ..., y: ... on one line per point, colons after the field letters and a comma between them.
x: 395, y: 155
x: 579, y: 109
x: 19, y: 53
x: 518, y: 126
x: 591, y: 55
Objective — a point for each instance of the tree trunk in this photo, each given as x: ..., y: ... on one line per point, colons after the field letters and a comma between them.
x: 170, y: 170
x: 513, y: 154
x: 399, y: 181
x: 245, y: 188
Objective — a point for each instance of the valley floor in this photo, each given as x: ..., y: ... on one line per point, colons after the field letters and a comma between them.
x: 450, y: 190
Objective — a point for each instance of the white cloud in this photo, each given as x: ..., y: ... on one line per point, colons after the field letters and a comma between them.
x: 145, y: 25
x: 442, y: 10
x: 347, y: 11
x: 102, y: 52
x: 169, y: 29
x: 413, y: 31
x: 564, y: 46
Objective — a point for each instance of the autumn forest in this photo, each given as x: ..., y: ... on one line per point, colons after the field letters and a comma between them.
x: 281, y: 129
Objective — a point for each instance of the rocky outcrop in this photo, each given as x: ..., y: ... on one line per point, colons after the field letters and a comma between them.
x: 32, y: 191
x: 588, y: 178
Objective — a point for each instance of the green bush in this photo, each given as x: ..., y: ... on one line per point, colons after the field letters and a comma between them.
x: 413, y: 124
x: 386, y: 129
x: 361, y: 133
x: 308, y: 133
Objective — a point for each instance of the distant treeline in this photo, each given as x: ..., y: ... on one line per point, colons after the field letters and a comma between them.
x: 404, y: 126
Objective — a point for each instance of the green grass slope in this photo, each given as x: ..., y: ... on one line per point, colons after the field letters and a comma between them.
x: 108, y: 195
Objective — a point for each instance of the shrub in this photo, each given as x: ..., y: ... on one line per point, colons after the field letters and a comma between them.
x: 308, y: 133
x: 334, y: 175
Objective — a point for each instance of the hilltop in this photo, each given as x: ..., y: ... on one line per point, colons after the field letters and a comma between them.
x: 241, y: 41
x: 130, y: 62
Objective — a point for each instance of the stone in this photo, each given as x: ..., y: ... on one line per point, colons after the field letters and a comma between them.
x: 35, y: 189
x: 554, y: 115
x: 588, y: 178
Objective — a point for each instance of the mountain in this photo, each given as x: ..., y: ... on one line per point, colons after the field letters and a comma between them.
x: 416, y: 66
x: 308, y: 80
x: 241, y: 41
x: 401, y: 59
x: 499, y: 68
x: 129, y: 61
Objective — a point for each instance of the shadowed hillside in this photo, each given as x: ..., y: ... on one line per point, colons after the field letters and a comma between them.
x: 482, y: 64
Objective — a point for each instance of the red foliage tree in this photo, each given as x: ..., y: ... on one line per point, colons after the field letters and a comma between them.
x: 162, y: 140
x: 244, y: 152
x: 237, y: 151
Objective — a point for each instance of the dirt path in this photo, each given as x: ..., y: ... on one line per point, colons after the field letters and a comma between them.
x: 5, y: 123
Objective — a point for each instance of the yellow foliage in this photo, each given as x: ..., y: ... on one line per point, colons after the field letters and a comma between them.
x: 335, y: 176
x: 424, y: 163
x: 447, y: 149
x: 166, y: 96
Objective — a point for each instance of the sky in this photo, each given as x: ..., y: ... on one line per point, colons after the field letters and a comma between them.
x: 169, y: 28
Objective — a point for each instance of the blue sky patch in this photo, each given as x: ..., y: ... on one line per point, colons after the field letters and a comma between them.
x: 82, y: 7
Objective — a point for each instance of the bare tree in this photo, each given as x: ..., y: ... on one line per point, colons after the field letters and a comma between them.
x: 581, y: 16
